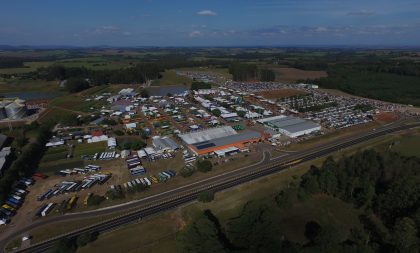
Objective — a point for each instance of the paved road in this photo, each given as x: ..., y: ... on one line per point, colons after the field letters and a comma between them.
x: 173, y: 198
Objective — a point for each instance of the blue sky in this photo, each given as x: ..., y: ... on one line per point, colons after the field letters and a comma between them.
x: 209, y: 22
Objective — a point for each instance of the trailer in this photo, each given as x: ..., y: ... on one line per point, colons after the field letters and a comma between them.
x: 154, y: 179
x: 43, y: 196
x: 6, y: 206
x: 172, y: 172
x: 71, y: 202
x: 147, y: 181
x: 20, y: 190
x: 13, y: 205
x: 38, y: 213
x: 47, y: 209
x: 166, y: 174
x: 16, y: 197
x: 86, y: 200
x: 70, y: 187
x: 17, y: 202
x: 142, y: 181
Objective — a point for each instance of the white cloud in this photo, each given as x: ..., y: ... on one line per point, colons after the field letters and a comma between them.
x: 110, y: 29
x: 321, y: 29
x: 361, y: 13
x: 207, y: 13
x: 195, y: 34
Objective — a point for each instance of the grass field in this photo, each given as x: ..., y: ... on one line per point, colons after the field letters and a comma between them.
x: 50, y: 168
x: 405, y: 144
x: 76, y: 103
x: 56, y: 158
x: 322, y: 209
x: 15, y: 85
x: 89, y: 148
x: 157, y: 236
x: 53, y: 114
x: 169, y: 77
x: 55, y: 154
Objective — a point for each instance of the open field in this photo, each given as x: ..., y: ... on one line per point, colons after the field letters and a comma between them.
x: 169, y: 77
x: 406, y: 144
x: 15, y: 85
x: 281, y: 93
x: 386, y: 117
x: 76, y: 103
x: 156, y: 234
x: 291, y: 75
x: 54, y: 113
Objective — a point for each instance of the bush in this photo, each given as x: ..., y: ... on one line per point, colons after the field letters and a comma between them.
x: 204, y: 165
x: 134, y: 145
x: 187, y: 171
x: 216, y: 112
x: 64, y: 246
x: 95, y: 200
x: 114, y: 194
x: 144, y: 93
x: 200, y: 85
x: 76, y: 84
x: 119, y: 132
x: 205, y: 196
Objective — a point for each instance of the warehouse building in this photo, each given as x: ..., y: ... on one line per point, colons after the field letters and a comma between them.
x: 164, y: 144
x: 221, y: 140
x: 290, y: 126
x: 13, y: 109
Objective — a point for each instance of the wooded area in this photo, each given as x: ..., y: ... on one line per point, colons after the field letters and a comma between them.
x: 382, y: 186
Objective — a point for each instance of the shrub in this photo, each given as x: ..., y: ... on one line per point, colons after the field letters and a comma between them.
x: 204, y: 165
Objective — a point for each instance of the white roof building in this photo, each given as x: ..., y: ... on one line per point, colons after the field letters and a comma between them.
x: 112, y: 142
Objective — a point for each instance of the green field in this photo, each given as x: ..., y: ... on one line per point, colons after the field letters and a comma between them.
x: 157, y: 236
x: 54, y: 166
x: 89, y: 148
x: 56, y: 158
x: 76, y: 103
x: 407, y: 145
x: 17, y: 85
x: 169, y: 77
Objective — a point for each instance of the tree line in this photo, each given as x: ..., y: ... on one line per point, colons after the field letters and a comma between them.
x: 26, y: 163
x: 11, y: 62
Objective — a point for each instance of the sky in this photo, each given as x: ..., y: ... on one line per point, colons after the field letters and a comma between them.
x: 210, y: 22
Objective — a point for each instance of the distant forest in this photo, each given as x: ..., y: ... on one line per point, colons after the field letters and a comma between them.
x: 383, y: 187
